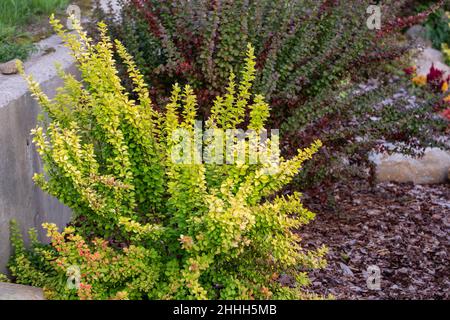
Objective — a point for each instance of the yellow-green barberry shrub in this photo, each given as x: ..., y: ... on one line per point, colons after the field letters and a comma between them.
x: 3, y: 278
x: 144, y: 226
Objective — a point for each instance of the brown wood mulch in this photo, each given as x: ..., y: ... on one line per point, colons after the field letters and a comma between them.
x: 401, y: 228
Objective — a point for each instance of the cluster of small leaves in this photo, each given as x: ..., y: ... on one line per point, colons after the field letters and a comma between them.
x: 445, y: 45
x: 4, y: 278
x: 28, y: 264
x: 168, y: 230
x: 308, y: 53
x: 10, y: 45
x: 102, y: 272
x: 200, y: 41
x: 438, y: 29
x: 361, y: 121
x: 436, y: 84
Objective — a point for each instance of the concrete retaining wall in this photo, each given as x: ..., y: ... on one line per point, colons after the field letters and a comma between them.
x: 20, y: 198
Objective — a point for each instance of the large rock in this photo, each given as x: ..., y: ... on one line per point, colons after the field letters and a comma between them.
x: 9, y: 291
x: 418, y: 35
x: 9, y: 67
x: 429, y: 57
x: 112, y: 7
x: 432, y: 167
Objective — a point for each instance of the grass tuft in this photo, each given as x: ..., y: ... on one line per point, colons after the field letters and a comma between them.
x: 15, y: 17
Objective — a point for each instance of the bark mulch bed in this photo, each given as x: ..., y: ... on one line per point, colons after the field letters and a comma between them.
x: 401, y: 228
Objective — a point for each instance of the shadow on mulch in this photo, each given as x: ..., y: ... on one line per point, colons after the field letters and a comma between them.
x: 401, y: 228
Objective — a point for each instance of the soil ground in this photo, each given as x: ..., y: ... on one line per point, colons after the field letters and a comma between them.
x: 401, y: 228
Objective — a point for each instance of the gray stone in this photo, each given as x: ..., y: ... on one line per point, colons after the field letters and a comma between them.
x: 9, y: 291
x: 429, y: 57
x: 418, y: 35
x: 416, y: 31
x: 20, y: 198
x: 112, y: 7
x: 9, y: 67
x: 432, y: 55
x: 346, y: 270
x: 432, y: 167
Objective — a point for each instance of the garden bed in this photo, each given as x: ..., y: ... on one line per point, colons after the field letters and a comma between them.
x: 148, y: 225
x: 401, y: 228
x: 25, y: 22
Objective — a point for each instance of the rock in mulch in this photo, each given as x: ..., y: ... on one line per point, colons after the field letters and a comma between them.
x: 403, y: 229
x: 429, y: 57
x: 9, y: 67
x: 432, y: 167
x: 418, y: 35
x: 9, y: 291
